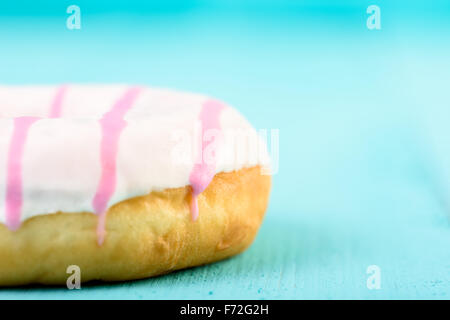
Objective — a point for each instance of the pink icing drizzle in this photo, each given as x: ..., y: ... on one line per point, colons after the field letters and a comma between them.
x: 204, y: 169
x: 14, y: 192
x: 112, y: 124
x: 14, y: 171
x: 56, y: 109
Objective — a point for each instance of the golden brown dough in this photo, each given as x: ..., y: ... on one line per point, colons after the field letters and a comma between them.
x: 146, y: 236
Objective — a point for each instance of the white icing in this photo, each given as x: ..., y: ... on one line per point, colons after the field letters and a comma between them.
x: 61, y: 162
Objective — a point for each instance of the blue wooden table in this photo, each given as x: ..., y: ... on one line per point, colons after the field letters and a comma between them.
x: 364, y: 175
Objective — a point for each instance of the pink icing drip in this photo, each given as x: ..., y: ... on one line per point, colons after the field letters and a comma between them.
x: 56, y: 109
x: 14, y: 171
x: 14, y: 192
x: 203, y: 171
x: 112, y: 124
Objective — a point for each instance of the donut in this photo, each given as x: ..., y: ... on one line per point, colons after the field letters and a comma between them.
x: 124, y: 182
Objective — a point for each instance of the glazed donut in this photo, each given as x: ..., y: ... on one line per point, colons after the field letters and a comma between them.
x: 125, y: 182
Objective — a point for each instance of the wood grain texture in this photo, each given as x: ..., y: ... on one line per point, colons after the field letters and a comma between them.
x: 297, y: 259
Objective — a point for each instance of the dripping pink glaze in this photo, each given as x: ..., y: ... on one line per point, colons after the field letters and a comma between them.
x: 56, y: 109
x: 14, y: 171
x: 14, y: 192
x: 112, y: 124
x: 204, y: 169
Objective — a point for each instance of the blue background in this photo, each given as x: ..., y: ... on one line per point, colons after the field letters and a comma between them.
x: 364, y: 174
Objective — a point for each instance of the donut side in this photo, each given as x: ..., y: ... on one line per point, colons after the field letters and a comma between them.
x: 146, y: 236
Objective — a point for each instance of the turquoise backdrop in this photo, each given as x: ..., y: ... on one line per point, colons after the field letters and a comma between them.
x: 364, y: 162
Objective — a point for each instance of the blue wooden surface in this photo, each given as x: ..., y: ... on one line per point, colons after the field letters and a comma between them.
x: 364, y: 148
